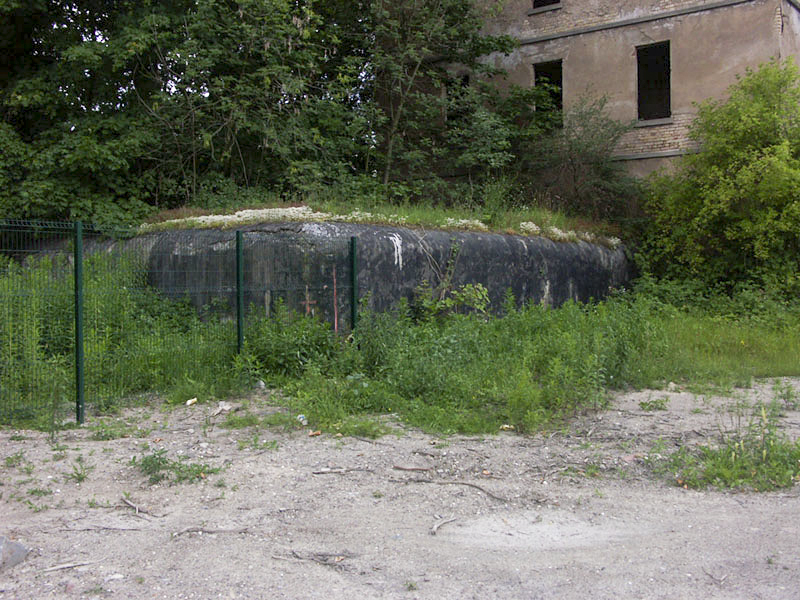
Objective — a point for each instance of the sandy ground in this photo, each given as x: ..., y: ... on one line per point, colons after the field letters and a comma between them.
x: 572, y: 514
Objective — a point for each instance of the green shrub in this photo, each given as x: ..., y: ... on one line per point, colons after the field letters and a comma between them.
x: 286, y: 343
x: 760, y: 457
x: 135, y: 341
x: 574, y: 167
x: 731, y: 212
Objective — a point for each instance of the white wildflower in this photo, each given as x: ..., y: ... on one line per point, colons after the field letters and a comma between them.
x: 465, y: 223
x: 530, y: 228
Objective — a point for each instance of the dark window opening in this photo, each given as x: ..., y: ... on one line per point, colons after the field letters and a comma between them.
x: 542, y: 3
x: 654, y: 81
x: 550, y: 73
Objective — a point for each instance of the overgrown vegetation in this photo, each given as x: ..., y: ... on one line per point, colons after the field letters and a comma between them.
x: 757, y: 457
x: 136, y: 341
x: 213, y: 104
x: 730, y: 215
x: 441, y: 363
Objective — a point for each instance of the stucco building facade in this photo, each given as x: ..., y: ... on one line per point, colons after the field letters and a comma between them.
x: 652, y: 59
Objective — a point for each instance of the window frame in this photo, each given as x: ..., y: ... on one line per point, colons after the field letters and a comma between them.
x: 541, y: 8
x: 559, y: 105
x: 645, y: 112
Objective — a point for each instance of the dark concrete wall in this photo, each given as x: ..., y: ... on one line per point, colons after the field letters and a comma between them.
x: 296, y: 262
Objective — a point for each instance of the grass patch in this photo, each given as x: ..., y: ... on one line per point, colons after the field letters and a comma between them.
x: 759, y: 457
x: 434, y: 368
x: 14, y: 460
x: 159, y: 467
x: 137, y: 342
x: 112, y: 429
x: 528, y: 369
x: 655, y: 404
x: 498, y: 211
x: 241, y: 421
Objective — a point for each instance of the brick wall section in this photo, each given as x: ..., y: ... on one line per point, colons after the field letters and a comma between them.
x: 658, y: 138
x: 576, y: 14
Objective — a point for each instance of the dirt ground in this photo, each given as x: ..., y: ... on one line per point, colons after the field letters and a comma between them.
x: 572, y: 514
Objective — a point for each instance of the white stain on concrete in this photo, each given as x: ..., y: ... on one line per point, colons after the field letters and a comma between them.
x: 397, y: 242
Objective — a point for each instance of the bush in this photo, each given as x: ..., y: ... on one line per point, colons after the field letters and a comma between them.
x: 761, y: 457
x: 285, y: 344
x: 135, y: 341
x: 731, y: 213
x: 574, y: 167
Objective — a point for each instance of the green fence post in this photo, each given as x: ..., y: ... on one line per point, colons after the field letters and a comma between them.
x: 78, y: 271
x: 239, y: 293
x: 353, y: 281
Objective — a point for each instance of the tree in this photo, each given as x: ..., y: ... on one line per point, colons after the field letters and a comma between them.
x: 574, y: 164
x: 110, y: 108
x: 418, y: 43
x: 731, y: 212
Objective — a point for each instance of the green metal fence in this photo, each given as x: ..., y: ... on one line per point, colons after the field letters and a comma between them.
x: 89, y: 317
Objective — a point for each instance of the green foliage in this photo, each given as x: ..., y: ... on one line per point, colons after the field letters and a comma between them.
x: 285, y: 344
x: 655, y: 404
x: 80, y: 470
x: 473, y: 374
x: 434, y: 367
x: 112, y: 429
x: 574, y: 165
x: 159, y: 467
x: 135, y: 341
x: 107, y: 110
x: 731, y: 213
x: 759, y: 457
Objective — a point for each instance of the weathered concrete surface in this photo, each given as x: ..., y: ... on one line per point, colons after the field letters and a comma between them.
x: 296, y: 262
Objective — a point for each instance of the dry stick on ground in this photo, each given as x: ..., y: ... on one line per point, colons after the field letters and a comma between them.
x: 196, y: 529
x: 466, y: 483
x: 438, y: 524
x: 400, y: 468
x: 70, y: 566
x: 103, y: 528
x: 425, y: 453
x: 139, y: 509
x: 322, y: 558
x: 369, y: 441
x: 717, y: 580
x: 341, y: 471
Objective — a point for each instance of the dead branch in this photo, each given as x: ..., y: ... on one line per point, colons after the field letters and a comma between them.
x: 425, y: 453
x: 101, y: 528
x: 139, y: 509
x: 717, y: 580
x: 465, y: 483
x: 439, y: 524
x: 400, y: 468
x: 321, y: 558
x: 196, y: 529
x: 69, y: 566
x: 338, y: 471
x: 369, y: 441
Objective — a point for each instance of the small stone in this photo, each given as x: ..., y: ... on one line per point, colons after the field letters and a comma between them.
x: 11, y: 553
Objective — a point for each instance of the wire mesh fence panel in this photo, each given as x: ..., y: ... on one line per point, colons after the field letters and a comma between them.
x: 36, y: 323
x: 155, y: 325
x: 111, y: 317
